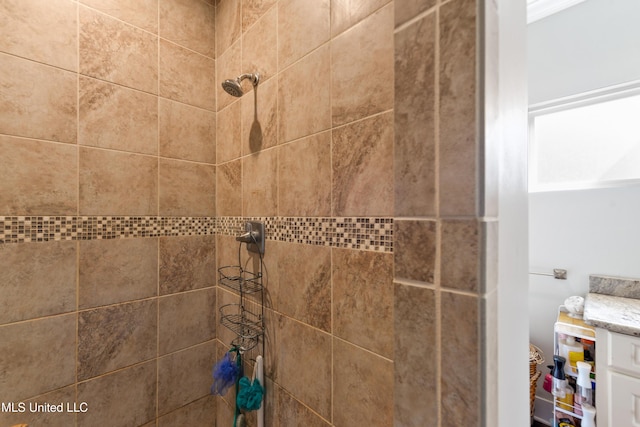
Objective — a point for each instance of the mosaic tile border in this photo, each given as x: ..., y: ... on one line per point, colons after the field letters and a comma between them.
x: 371, y: 234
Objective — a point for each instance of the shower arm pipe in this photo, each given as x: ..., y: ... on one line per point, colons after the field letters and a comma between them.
x: 253, y: 77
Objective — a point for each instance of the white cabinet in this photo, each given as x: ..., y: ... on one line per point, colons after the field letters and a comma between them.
x: 618, y: 368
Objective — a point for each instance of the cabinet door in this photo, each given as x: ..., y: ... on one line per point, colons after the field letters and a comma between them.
x: 625, y: 400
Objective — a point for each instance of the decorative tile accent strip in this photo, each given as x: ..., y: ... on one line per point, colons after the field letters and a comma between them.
x: 371, y: 234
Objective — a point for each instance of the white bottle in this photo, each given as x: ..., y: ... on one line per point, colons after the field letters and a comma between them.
x: 572, y: 351
x: 589, y: 415
x: 584, y: 393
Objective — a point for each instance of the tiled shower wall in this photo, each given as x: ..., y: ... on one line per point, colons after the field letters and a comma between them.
x: 107, y: 129
x: 313, y: 143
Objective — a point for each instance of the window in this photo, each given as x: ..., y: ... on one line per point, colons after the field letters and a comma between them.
x: 589, y: 142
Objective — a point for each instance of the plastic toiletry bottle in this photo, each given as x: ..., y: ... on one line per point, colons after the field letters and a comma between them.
x: 589, y: 415
x: 584, y: 393
x: 572, y: 351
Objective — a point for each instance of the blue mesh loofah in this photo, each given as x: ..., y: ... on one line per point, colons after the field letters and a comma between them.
x: 250, y: 395
x: 225, y: 374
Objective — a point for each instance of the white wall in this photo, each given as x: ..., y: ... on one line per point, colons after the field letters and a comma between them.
x: 585, y: 47
x: 585, y: 232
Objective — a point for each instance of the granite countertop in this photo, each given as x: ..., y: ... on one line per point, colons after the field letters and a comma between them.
x: 613, y: 303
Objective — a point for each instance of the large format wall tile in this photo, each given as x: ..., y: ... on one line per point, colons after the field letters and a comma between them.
x: 362, y: 68
x: 44, y: 362
x: 460, y: 347
x: 116, y: 52
x: 66, y: 396
x: 115, y: 117
x: 47, y: 110
x: 363, y: 299
x: 38, y: 177
x: 346, y: 13
x: 229, y: 189
x: 408, y: 9
x: 45, y: 32
x: 186, y: 132
x: 186, y: 263
x: 458, y: 145
x: 228, y: 24
x: 46, y: 273
x: 304, y: 364
x: 252, y: 11
x: 140, y: 13
x: 460, y: 260
x: 187, y: 76
x: 229, y: 67
x: 260, y: 117
x: 414, y: 251
x: 187, y: 189
x: 304, y: 104
x: 229, y: 132
x: 199, y: 413
x: 259, y: 180
x: 186, y: 319
x: 304, y: 167
x: 260, y: 47
x: 362, y: 162
x: 198, y: 34
x: 123, y: 398
x: 289, y: 412
x: 295, y: 18
x: 362, y: 387
x: 304, y: 284
x: 415, y: 356
x: 119, y: 270
x: 181, y: 376
x: 113, y: 183
x: 117, y: 336
x: 414, y: 113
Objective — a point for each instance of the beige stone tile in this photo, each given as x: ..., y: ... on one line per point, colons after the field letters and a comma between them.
x: 414, y: 251
x: 362, y: 167
x: 185, y: 376
x: 225, y: 297
x: 47, y: 110
x: 229, y: 67
x: 291, y: 413
x: 41, y: 354
x: 139, y: 13
x: 36, y: 280
x: 460, y: 259
x: 362, y: 68
x: 253, y: 10
x: 228, y: 24
x: 116, y: 52
x: 229, y: 189
x: 304, y: 364
x: 346, y: 13
x: 260, y: 46
x: 38, y: 177
x: 229, y: 133
x: 414, y: 119
x: 260, y: 117
x: 186, y: 319
x: 66, y: 396
x: 187, y: 76
x: 224, y: 414
x: 190, y: 24
x: 118, y: 270
x: 125, y: 398
x: 460, y: 347
x: 187, y: 189
x: 458, y: 147
x: 199, y: 413
x: 304, y: 177
x: 117, y: 336
x: 415, y: 356
x: 113, y: 183
x: 187, y: 132
x: 406, y: 10
x: 363, y: 299
x: 304, y: 278
x: 306, y: 80
x: 259, y: 182
x: 362, y: 387
x: 115, y: 117
x: 295, y: 18
x: 186, y: 263
x: 44, y: 32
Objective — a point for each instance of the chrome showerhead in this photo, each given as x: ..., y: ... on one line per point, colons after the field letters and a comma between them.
x: 234, y: 88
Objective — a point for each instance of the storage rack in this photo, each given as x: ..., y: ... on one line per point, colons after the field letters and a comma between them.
x: 577, y: 328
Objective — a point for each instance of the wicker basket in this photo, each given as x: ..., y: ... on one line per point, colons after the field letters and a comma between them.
x: 536, y: 357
